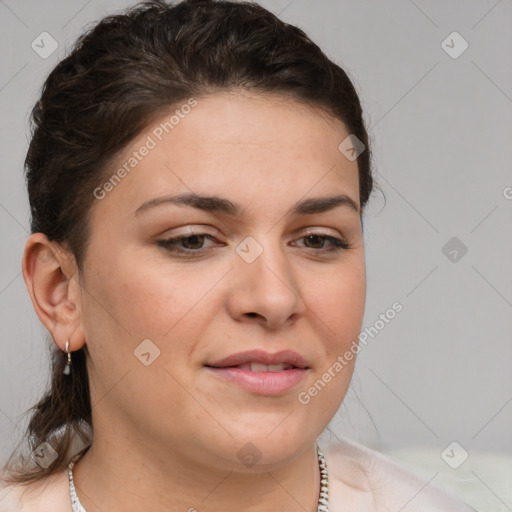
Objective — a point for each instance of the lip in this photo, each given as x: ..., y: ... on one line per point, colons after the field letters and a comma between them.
x: 261, y: 356
x: 261, y: 383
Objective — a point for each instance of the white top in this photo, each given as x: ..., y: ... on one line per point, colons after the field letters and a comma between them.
x: 360, y: 480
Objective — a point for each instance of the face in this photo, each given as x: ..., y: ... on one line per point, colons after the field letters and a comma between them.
x: 270, y: 277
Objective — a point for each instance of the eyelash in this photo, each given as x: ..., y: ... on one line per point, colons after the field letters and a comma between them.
x: 170, y: 244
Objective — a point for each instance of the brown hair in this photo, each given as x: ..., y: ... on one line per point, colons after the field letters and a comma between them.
x: 119, y: 77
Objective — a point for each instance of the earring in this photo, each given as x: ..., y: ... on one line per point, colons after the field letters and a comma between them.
x: 67, y: 369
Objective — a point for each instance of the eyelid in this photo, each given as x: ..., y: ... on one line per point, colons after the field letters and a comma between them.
x: 320, y: 230
x: 185, y: 231
x: 202, y: 230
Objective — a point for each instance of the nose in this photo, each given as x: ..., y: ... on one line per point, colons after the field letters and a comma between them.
x: 264, y: 290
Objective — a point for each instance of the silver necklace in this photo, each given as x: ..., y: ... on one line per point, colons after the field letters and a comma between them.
x: 323, y: 499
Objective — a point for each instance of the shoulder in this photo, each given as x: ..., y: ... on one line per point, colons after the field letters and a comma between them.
x: 48, y: 495
x: 362, y: 479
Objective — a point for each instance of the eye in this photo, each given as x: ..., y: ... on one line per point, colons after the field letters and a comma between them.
x: 193, y: 245
x: 336, y: 243
x: 172, y: 244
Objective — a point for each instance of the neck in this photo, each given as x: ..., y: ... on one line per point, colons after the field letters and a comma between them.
x: 118, y: 478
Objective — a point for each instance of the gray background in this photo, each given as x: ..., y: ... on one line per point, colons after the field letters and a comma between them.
x: 441, y: 130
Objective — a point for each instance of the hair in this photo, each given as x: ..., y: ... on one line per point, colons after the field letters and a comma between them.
x: 119, y: 77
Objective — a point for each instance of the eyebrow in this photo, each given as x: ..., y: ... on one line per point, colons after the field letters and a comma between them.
x: 220, y: 205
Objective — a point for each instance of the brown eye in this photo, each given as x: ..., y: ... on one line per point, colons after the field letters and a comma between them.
x: 189, y: 244
x: 317, y: 240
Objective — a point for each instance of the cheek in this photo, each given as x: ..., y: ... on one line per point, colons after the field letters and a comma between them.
x: 129, y: 300
x: 145, y: 297
x: 338, y: 308
x: 337, y: 298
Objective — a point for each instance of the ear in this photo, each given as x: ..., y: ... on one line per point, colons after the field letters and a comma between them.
x: 51, y: 275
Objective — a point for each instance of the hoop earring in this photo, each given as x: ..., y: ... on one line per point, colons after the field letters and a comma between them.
x: 67, y: 368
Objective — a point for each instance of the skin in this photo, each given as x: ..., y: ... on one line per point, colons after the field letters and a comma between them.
x: 166, y: 435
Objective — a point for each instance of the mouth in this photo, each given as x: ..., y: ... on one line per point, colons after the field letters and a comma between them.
x: 256, y: 367
x: 262, y: 361
x: 260, y: 372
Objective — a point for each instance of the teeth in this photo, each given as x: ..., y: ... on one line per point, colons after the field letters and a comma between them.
x: 259, y: 367
x: 278, y: 367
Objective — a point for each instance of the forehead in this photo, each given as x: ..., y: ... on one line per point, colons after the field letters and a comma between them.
x: 251, y: 145
x: 252, y: 119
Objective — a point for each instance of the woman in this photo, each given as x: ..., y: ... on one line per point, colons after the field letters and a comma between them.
x: 197, y: 177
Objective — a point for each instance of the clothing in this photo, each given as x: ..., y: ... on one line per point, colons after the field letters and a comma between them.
x: 364, y: 480
x: 360, y: 480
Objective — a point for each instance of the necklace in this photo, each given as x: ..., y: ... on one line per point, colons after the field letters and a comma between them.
x: 323, y: 498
